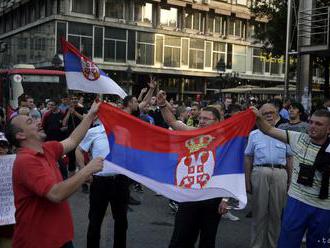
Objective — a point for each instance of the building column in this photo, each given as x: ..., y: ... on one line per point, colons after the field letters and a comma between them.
x: 206, y: 24
x: 183, y: 19
x: 304, y: 71
x: 100, y: 10
x: 129, y: 10
x: 66, y: 6
x: 157, y: 16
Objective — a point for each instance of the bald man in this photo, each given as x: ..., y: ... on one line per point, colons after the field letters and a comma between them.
x: 267, y: 170
x: 43, y: 217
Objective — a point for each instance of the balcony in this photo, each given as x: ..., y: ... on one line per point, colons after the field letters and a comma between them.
x: 313, y: 31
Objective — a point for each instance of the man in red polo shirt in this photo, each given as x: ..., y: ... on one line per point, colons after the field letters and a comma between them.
x: 43, y: 217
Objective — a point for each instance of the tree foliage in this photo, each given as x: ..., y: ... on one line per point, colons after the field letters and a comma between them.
x: 273, y: 35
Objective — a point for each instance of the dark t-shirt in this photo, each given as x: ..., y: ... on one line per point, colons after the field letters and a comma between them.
x: 158, y: 118
x: 281, y: 121
x: 74, y: 121
x: 52, y: 124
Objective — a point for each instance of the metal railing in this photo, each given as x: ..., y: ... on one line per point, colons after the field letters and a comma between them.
x: 313, y: 27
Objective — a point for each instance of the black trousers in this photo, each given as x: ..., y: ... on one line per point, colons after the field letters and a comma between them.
x: 193, y: 219
x: 68, y: 245
x: 105, y: 190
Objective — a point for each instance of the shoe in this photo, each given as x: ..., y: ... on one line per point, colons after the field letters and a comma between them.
x: 174, y: 206
x: 132, y: 201
x: 85, y: 188
x: 230, y: 216
x: 138, y: 188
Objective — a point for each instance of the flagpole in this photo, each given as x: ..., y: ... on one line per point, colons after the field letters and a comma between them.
x: 287, y: 47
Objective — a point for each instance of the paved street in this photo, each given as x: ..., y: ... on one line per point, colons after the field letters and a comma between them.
x: 150, y: 225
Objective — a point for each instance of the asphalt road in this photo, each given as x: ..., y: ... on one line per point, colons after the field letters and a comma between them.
x: 150, y: 224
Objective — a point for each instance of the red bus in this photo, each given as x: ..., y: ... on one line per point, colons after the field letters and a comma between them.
x: 41, y: 84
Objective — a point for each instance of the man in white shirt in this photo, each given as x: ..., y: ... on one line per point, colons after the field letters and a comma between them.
x: 106, y: 187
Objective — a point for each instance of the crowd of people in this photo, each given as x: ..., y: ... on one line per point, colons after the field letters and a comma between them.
x: 60, y: 148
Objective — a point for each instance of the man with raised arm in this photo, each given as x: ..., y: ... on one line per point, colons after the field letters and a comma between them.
x: 200, y: 218
x: 43, y: 216
x: 267, y: 173
x: 308, y: 205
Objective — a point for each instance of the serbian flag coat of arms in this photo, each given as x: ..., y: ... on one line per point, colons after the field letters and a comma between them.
x: 181, y: 165
x: 84, y: 75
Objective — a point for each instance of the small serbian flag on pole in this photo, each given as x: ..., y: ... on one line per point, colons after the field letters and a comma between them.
x: 83, y: 74
x: 181, y: 165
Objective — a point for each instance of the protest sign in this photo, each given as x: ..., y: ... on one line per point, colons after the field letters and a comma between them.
x: 7, y: 208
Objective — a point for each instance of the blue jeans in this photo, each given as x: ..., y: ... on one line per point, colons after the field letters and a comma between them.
x: 299, y: 217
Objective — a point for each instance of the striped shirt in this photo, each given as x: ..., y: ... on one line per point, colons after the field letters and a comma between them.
x: 305, y: 152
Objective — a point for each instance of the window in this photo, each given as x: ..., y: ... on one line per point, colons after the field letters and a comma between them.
x: 159, y: 48
x: 61, y: 32
x: 81, y: 36
x: 145, y: 48
x: 98, y: 42
x: 258, y: 62
x: 83, y: 6
x: 185, y: 52
x: 236, y: 27
x: 143, y: 12
x: 115, y: 43
x: 229, y: 56
x: 196, y: 54
x: 210, y: 24
x: 22, y: 44
x: 275, y: 67
x: 219, y: 55
x: 169, y: 17
x: 172, y: 50
x: 208, y: 54
x: 251, y: 31
x: 194, y: 20
x: 219, y: 25
x: 114, y: 9
x: 193, y: 84
x: 239, y: 58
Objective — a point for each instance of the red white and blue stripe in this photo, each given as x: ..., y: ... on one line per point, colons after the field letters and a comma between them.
x: 83, y: 74
x: 181, y: 165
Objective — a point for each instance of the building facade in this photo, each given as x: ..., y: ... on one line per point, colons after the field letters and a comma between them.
x: 185, y: 44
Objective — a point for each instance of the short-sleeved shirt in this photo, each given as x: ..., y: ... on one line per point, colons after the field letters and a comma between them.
x: 266, y: 150
x: 96, y: 141
x: 305, y: 152
x: 39, y: 222
x: 297, y: 127
x: 284, y: 113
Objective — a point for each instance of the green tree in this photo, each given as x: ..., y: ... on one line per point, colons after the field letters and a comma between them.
x: 273, y: 33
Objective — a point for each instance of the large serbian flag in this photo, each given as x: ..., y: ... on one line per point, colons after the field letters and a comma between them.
x: 83, y: 74
x: 181, y: 165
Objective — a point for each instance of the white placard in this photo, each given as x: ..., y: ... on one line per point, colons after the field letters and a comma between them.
x: 7, y: 208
